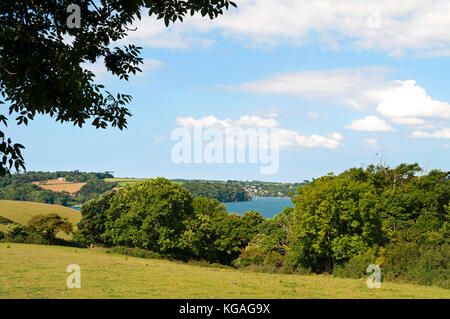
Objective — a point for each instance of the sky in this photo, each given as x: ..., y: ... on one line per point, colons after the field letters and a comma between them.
x: 345, y: 83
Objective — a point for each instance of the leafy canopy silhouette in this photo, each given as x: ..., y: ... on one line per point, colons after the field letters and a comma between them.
x: 41, y: 60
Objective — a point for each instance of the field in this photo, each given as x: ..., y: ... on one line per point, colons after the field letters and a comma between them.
x: 124, y: 181
x: 21, y: 212
x: 31, y: 271
x: 60, y: 186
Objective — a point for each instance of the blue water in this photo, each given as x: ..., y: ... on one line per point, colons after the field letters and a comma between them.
x: 267, y: 206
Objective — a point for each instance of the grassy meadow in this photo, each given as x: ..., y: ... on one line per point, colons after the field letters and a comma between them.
x: 31, y: 271
x: 21, y: 212
x: 123, y: 181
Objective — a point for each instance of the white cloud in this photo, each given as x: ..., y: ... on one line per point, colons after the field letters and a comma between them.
x: 293, y: 139
x: 407, y: 102
x: 288, y: 138
x: 444, y: 133
x: 370, y: 124
x: 337, y: 136
x: 152, y: 32
x: 363, y: 88
x: 403, y: 25
x: 346, y: 86
x: 102, y: 74
x: 205, y: 122
x: 421, y: 26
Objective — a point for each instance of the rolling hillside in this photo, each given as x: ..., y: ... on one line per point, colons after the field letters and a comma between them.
x: 21, y: 212
x: 32, y: 271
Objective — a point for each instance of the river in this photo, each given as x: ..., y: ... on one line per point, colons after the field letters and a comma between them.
x: 267, y: 206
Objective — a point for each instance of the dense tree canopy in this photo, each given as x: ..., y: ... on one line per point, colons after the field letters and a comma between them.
x: 42, y: 56
x: 161, y: 216
x: 223, y: 192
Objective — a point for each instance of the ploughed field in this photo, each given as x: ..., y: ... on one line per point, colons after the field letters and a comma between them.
x: 33, y: 271
x: 60, y: 186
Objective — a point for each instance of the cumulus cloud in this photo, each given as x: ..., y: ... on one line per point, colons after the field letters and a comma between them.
x: 407, y: 102
x: 391, y: 26
x: 444, y: 133
x: 370, y: 124
x: 288, y: 138
x: 346, y: 86
x: 363, y: 88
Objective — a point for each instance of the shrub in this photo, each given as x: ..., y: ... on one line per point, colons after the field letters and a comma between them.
x: 356, y: 267
x: 250, y: 256
x: 421, y: 264
x: 5, y: 221
x: 134, y: 252
x: 49, y: 225
x: 20, y: 234
x: 274, y: 259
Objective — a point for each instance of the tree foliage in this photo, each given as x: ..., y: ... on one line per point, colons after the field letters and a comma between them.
x: 20, y: 187
x: 42, y: 59
x: 223, y: 192
x: 49, y: 225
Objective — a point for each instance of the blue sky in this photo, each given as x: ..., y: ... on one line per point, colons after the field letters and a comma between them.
x: 352, y: 82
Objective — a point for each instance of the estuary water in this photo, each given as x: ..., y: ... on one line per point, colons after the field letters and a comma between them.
x: 267, y: 206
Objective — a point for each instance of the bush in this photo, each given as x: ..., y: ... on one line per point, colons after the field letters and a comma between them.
x: 421, y: 264
x: 16, y: 233
x: 356, y: 267
x: 5, y: 221
x: 134, y: 252
x: 274, y: 259
x: 250, y: 256
x: 49, y: 225
x: 79, y: 239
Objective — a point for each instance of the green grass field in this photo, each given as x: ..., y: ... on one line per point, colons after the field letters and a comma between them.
x: 124, y: 181
x: 31, y: 271
x: 21, y: 212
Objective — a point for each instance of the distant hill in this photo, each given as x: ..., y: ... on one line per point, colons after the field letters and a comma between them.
x: 21, y: 212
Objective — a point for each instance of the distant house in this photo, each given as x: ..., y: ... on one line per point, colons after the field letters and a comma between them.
x: 61, y: 179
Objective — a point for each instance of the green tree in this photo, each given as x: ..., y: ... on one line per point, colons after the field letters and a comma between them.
x: 149, y: 215
x: 92, y: 224
x: 201, y: 231
x: 234, y: 234
x: 334, y: 219
x: 49, y: 225
x: 42, y: 73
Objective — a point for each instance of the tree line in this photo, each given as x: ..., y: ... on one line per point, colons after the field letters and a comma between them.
x: 222, y: 191
x: 19, y: 187
x: 397, y: 218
